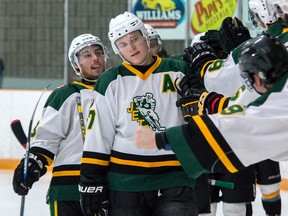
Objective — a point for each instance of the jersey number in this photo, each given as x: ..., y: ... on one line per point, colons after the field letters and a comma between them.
x: 91, y: 119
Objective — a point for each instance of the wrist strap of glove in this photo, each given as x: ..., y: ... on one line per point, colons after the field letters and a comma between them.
x: 211, y: 102
x: 39, y: 160
x: 162, y: 141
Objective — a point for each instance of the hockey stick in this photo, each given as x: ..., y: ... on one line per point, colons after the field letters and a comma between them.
x: 18, y: 131
x: 28, y: 149
x: 81, y: 118
x: 214, y: 182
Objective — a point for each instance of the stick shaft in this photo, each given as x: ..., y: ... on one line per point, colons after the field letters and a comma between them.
x: 28, y: 150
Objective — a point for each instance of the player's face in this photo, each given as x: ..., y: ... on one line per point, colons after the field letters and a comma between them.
x: 133, y: 48
x: 92, y: 61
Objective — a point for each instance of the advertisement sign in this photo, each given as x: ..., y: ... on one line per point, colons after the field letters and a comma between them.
x: 161, y: 13
x: 172, y: 18
x: 208, y: 14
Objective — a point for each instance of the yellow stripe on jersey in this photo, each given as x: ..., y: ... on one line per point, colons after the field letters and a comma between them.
x: 203, y: 69
x: 91, y: 87
x: 66, y: 173
x: 95, y: 161
x: 147, y: 73
x: 214, y: 145
x: 284, y: 30
x: 145, y: 164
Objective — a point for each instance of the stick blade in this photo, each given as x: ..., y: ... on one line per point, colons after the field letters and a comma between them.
x: 18, y: 131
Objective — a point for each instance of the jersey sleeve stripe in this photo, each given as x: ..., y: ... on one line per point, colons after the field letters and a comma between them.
x: 214, y: 144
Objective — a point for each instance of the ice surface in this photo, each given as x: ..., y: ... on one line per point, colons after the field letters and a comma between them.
x: 35, y: 201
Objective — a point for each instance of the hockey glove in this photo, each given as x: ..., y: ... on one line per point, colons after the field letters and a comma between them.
x: 197, y: 55
x: 94, y: 199
x: 211, y: 39
x: 189, y: 104
x: 187, y: 84
x: 232, y: 33
x: 211, y: 102
x: 36, y: 169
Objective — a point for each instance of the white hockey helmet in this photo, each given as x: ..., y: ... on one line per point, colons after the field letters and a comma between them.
x: 153, y: 34
x: 282, y: 4
x: 196, y: 38
x: 122, y: 25
x: 80, y: 42
x: 262, y: 13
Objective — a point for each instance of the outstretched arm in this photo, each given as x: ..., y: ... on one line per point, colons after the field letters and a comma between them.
x: 145, y: 138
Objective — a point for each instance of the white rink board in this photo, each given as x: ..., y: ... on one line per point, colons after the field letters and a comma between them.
x: 17, y: 104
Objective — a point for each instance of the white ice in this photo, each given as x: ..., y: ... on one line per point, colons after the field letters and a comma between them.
x: 35, y: 201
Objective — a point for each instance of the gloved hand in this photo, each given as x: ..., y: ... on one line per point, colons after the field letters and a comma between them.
x: 211, y: 38
x: 189, y: 104
x: 188, y: 83
x: 232, y: 33
x: 209, y: 103
x: 197, y: 55
x: 36, y: 169
x: 94, y: 199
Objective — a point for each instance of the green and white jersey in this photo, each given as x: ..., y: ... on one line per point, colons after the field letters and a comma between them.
x: 237, y: 137
x: 223, y: 75
x: 124, y: 99
x: 243, y: 96
x: 58, y: 138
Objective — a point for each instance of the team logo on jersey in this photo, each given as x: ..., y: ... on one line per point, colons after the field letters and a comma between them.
x: 142, y: 110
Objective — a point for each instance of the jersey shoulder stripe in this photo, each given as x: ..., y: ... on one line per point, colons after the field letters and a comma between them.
x: 161, y: 65
x: 60, y: 95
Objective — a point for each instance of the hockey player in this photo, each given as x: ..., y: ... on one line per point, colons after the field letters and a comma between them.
x: 156, y: 45
x: 238, y: 136
x: 268, y: 172
x: 236, y: 201
x: 58, y: 137
x: 282, y: 8
x: 135, y: 182
x: 155, y: 40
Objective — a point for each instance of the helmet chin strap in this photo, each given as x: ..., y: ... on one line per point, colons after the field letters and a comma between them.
x: 84, y: 78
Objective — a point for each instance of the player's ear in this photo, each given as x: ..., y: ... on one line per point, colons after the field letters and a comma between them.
x: 257, y: 80
x: 259, y: 84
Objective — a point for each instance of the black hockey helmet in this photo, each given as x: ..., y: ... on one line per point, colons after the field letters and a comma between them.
x: 263, y: 55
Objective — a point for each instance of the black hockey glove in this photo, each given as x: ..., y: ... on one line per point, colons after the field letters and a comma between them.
x: 187, y: 84
x: 36, y: 169
x: 197, y: 55
x: 212, y: 102
x: 189, y: 104
x: 211, y: 38
x: 94, y: 199
x: 232, y: 33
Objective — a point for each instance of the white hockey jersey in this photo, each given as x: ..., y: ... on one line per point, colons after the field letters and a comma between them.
x: 223, y: 76
x: 59, y: 139
x: 124, y: 99
x: 237, y: 137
